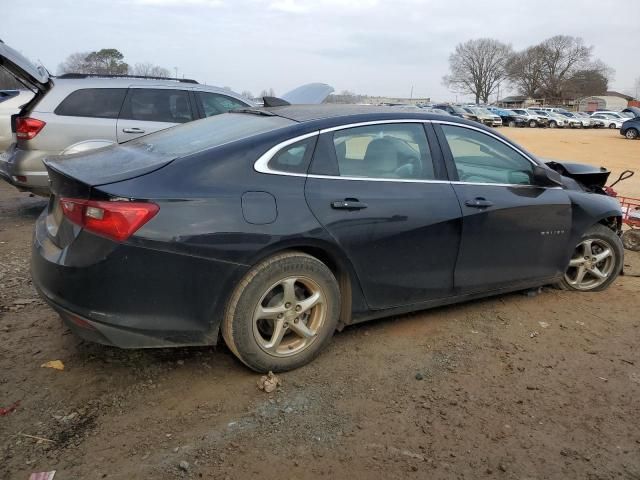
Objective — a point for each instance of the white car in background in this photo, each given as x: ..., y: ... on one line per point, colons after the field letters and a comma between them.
x: 10, y: 103
x: 602, y: 119
x: 554, y: 119
x: 576, y: 120
x: 617, y: 115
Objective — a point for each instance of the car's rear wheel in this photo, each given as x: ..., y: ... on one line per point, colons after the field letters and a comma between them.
x: 283, y: 313
x: 631, y: 133
x: 532, y: 123
x: 612, y: 125
x: 595, y: 262
x: 631, y: 240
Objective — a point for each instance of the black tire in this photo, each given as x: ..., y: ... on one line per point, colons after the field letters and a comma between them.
x: 238, y: 323
x: 631, y: 133
x: 533, y: 124
x: 631, y: 240
x: 553, y: 124
x: 600, y: 233
x: 512, y: 123
x: 612, y: 125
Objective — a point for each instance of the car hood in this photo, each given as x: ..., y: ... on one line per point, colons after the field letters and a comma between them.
x: 35, y: 76
x: 587, y: 175
x: 310, y: 93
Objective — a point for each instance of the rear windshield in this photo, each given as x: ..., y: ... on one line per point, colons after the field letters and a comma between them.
x: 150, y: 152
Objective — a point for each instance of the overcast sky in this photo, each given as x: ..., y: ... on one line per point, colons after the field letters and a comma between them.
x: 367, y: 46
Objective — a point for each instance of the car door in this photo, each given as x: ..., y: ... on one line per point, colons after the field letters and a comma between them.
x: 380, y: 191
x: 147, y: 110
x: 513, y: 231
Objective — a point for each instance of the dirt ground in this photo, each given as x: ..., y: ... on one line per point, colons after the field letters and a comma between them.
x: 513, y: 387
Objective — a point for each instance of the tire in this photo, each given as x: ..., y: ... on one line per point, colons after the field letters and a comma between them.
x: 250, y: 335
x: 631, y: 133
x: 552, y: 124
x: 598, y: 238
x: 612, y: 125
x: 631, y: 240
x: 533, y: 124
x: 512, y: 123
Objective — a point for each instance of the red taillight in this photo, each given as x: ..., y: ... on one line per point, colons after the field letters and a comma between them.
x: 27, y: 128
x: 115, y: 220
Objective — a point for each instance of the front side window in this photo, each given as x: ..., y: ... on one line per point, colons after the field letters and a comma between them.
x: 215, y: 104
x: 93, y: 102
x: 480, y: 158
x: 394, y: 151
x: 157, y: 105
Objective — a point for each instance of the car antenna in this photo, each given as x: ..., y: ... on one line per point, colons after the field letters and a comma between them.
x: 274, y: 102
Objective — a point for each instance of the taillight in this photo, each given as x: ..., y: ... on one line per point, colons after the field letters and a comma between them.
x: 27, y: 128
x: 114, y: 220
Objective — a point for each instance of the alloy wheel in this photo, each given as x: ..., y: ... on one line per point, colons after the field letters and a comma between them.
x: 591, y: 265
x: 631, y: 133
x: 289, y: 316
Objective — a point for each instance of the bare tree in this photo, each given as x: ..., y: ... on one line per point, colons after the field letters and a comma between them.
x: 247, y: 94
x: 74, y: 63
x: 477, y: 67
x: 148, y: 69
x: 267, y: 93
x: 563, y: 56
x: 524, y: 70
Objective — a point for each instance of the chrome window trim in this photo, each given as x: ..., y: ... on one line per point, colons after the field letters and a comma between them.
x: 262, y: 164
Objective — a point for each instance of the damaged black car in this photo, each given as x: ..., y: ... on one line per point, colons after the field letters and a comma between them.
x: 271, y: 228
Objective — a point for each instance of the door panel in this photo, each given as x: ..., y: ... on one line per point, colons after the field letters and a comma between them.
x: 148, y: 110
x: 384, y: 202
x: 403, y: 245
x: 522, y: 236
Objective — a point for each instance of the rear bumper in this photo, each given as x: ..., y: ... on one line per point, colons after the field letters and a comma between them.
x: 24, y: 170
x: 130, y: 296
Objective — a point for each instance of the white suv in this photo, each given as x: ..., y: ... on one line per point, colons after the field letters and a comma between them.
x: 77, y: 112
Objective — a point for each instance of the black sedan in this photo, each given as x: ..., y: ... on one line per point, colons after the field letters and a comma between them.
x: 273, y: 227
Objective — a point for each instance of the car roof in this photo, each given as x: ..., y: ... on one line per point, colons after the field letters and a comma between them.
x: 115, y: 82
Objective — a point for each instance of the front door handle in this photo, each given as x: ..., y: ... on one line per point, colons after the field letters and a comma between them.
x: 348, y: 204
x: 478, y: 202
x: 133, y: 130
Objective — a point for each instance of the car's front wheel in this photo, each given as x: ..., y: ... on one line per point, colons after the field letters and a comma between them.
x: 283, y: 313
x: 631, y: 133
x: 533, y: 123
x: 552, y: 124
x: 512, y: 123
x: 596, y: 261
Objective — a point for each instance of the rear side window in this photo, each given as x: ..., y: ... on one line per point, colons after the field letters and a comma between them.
x: 393, y: 151
x: 93, y: 102
x: 294, y: 158
x: 157, y: 105
x: 215, y: 104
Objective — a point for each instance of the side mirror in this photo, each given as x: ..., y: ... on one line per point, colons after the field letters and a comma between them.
x: 545, y: 177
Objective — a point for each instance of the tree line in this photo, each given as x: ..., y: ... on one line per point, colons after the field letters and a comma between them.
x: 108, y: 61
x: 560, y: 67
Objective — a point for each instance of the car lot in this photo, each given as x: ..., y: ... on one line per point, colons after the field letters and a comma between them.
x: 495, y: 388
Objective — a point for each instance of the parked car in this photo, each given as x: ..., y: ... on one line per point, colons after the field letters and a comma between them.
x: 485, y: 116
x: 554, y: 120
x: 437, y: 111
x: 262, y: 224
x: 552, y: 109
x: 77, y: 112
x: 631, y: 112
x: 631, y: 128
x: 508, y: 117
x: 606, y: 120
x: 454, y: 110
x: 618, y: 115
x: 10, y: 104
x: 577, y: 121
x: 532, y: 119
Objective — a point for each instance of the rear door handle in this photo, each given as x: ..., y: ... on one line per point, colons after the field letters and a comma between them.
x: 348, y: 204
x: 133, y: 130
x: 478, y: 202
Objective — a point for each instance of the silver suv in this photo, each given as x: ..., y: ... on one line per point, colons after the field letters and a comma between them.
x: 76, y: 112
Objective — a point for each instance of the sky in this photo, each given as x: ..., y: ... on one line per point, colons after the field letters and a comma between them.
x: 373, y: 47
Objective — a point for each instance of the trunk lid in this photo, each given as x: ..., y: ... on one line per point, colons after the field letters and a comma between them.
x: 33, y: 76
x: 309, y: 94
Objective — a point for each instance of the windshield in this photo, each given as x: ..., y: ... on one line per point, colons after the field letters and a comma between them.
x: 458, y: 110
